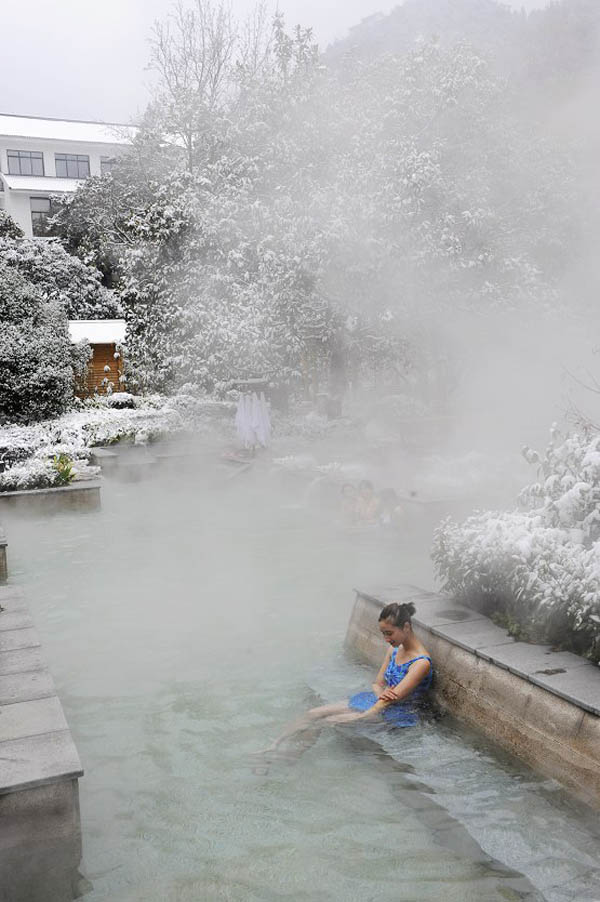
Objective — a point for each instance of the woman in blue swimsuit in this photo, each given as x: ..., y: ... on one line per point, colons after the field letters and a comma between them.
x: 403, y: 678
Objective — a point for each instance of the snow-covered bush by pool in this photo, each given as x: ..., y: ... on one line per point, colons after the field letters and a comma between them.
x: 567, y: 493
x: 36, y: 379
x: 75, y: 433
x: 537, y: 568
x: 121, y: 400
x: 33, y: 474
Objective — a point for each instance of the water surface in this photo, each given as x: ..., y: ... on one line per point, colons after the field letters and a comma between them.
x: 184, y: 624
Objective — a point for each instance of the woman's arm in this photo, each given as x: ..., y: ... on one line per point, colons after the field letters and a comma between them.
x: 379, y: 685
x: 392, y: 694
x: 416, y: 674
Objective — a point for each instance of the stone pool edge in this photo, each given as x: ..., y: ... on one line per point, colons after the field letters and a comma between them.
x: 518, y: 695
x: 40, y: 824
x: 82, y: 494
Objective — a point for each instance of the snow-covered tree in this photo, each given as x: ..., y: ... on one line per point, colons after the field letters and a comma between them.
x: 283, y: 212
x: 8, y: 227
x: 61, y: 277
x: 36, y: 379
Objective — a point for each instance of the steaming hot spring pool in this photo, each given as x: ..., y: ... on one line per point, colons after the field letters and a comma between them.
x: 184, y: 624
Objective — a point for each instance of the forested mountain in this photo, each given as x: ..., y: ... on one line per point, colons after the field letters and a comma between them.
x: 556, y: 42
x: 488, y: 25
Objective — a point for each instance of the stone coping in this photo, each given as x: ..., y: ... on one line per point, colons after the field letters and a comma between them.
x: 77, y: 486
x: 564, y: 674
x: 103, y: 453
x: 36, y: 747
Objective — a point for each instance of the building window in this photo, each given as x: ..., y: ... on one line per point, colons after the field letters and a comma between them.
x: 25, y: 162
x: 72, y: 165
x: 107, y: 165
x: 41, y: 211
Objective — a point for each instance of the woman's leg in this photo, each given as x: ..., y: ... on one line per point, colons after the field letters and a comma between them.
x: 308, y: 720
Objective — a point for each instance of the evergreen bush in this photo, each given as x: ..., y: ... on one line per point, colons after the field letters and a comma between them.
x: 36, y: 379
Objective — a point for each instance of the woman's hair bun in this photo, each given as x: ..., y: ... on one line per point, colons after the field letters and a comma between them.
x: 398, y: 614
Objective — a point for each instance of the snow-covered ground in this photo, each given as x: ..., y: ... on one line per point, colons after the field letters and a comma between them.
x: 27, y: 452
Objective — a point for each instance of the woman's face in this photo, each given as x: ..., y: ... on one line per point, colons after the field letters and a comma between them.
x: 393, y: 635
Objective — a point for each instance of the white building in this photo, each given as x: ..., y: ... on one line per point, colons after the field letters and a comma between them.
x: 40, y: 157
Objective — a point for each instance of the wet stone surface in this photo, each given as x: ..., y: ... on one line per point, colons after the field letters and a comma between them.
x: 580, y: 685
x: 473, y: 635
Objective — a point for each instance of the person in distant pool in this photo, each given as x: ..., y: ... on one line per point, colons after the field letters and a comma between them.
x: 348, y: 506
x: 404, y: 677
x: 366, y: 504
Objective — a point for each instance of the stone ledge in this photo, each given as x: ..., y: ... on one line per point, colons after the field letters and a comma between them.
x: 541, y: 705
x: 38, y: 761
x: 84, y: 494
x: 36, y: 747
x: 83, y: 485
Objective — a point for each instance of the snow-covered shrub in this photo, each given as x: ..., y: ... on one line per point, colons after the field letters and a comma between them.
x: 538, y: 569
x: 81, y: 357
x: 36, y: 380
x: 61, y: 277
x: 33, y: 474
x: 8, y: 227
x: 567, y: 493
x: 121, y: 400
x: 76, y: 432
x: 44, y: 473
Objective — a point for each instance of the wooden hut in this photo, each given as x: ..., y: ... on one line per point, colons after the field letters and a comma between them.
x: 103, y: 336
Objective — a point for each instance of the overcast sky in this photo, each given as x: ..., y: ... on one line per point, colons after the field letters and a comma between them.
x: 85, y: 59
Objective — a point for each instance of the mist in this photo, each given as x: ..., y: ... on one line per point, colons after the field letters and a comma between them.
x: 385, y: 221
x: 104, y: 51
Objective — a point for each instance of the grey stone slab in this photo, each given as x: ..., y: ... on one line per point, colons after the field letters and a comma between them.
x: 19, y: 638
x: 23, y: 687
x: 526, y: 660
x: 38, y: 760
x: 15, y: 620
x: 82, y: 486
x: 21, y: 660
x: 103, y: 454
x: 438, y: 610
x: 472, y: 635
x: 579, y: 685
x: 22, y: 719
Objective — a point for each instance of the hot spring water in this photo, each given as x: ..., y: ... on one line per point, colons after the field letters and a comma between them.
x: 184, y: 624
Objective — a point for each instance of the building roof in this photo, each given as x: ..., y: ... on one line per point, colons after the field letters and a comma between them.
x: 44, y: 183
x: 65, y: 130
x: 97, y: 331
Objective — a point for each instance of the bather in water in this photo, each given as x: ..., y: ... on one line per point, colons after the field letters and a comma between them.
x: 404, y: 677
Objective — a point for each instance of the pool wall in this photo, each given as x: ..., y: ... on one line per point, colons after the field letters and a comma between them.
x: 83, y: 495
x: 541, y: 705
x: 40, y: 830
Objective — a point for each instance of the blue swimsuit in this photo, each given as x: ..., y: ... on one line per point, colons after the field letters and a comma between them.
x: 403, y: 713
